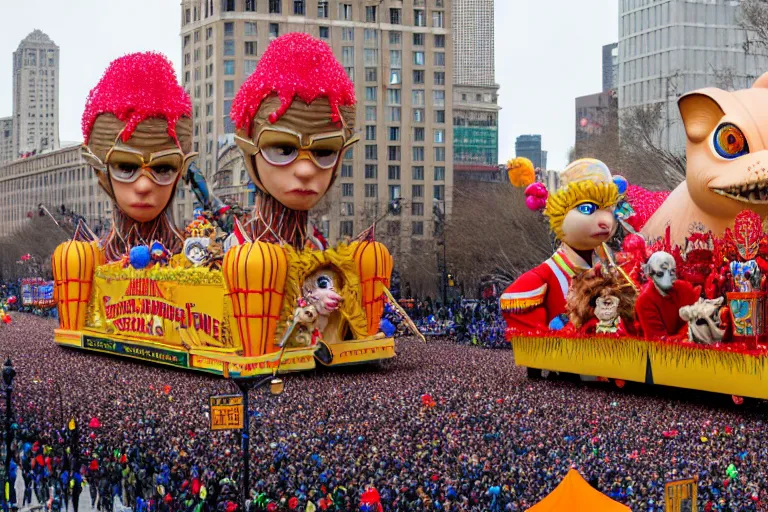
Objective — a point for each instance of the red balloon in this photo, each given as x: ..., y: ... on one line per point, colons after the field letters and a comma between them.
x: 272, y: 507
x: 583, y: 122
x: 293, y: 503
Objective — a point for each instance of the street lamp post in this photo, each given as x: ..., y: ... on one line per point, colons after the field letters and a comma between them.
x: 276, y: 386
x: 8, y: 374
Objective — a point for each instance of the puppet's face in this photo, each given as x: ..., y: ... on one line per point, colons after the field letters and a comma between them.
x: 586, y: 226
x: 607, y: 307
x: 662, y: 270
x: 321, y: 290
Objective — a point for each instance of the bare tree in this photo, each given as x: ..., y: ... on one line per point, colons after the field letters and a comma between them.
x: 753, y: 18
x: 38, y: 237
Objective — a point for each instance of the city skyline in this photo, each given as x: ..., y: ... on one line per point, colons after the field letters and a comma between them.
x: 537, y: 85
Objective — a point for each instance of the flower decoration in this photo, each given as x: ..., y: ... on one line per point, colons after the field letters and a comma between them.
x: 521, y: 172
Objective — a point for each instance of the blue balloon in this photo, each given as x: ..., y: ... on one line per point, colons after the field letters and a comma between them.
x: 387, y: 328
x: 139, y: 257
x: 621, y: 183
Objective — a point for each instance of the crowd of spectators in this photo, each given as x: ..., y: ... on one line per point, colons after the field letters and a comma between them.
x: 472, y: 322
x: 490, y: 441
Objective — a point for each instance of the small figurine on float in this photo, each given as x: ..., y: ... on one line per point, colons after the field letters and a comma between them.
x: 581, y: 214
x: 704, y: 324
x: 658, y: 306
x: 601, y: 302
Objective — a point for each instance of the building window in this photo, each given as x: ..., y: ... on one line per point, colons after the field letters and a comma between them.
x: 250, y: 29
x: 418, y: 58
x: 418, y: 39
x: 418, y: 76
x: 395, y: 58
x: 345, y: 11
x: 187, y: 16
x: 393, y: 153
x: 439, y: 173
x: 349, y: 154
x: 418, y: 97
x: 439, y: 136
x: 419, y: 19
x: 394, y: 16
x: 274, y: 30
x: 395, y: 38
x: 249, y: 66
x: 370, y: 14
x: 418, y: 154
x: 229, y: 67
x: 417, y: 173
x: 393, y: 96
x: 347, y: 189
x: 186, y: 41
x: 208, y: 34
x: 274, y: 6
x: 346, y: 170
x: 229, y: 29
x: 371, y: 190
x: 371, y: 171
x: 439, y: 77
x: 322, y: 9
x: 350, y: 72
x: 347, y: 209
x: 371, y: 35
x: 439, y: 59
x: 438, y: 19
x: 440, y: 154
x: 250, y: 48
x: 348, y: 34
x: 439, y: 192
x: 348, y: 56
x: 209, y: 109
x: 370, y: 74
x: 298, y: 7
x: 393, y: 172
x: 418, y: 226
x: 370, y: 113
x: 371, y: 152
x: 439, y: 41
x: 440, y: 116
x: 229, y: 47
x: 417, y: 191
x: 250, y: 5
x: 370, y: 132
x: 417, y: 209
x: 370, y: 56
x: 325, y: 33
x: 418, y: 115
x: 394, y: 192
x: 229, y: 88
x: 438, y: 98
x: 394, y: 133
x: 393, y: 114
x: 345, y: 228
x: 394, y: 77
x: 229, y: 5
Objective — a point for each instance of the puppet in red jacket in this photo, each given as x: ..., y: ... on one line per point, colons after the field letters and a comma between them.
x: 581, y: 214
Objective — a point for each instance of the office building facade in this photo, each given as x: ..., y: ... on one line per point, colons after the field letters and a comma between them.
x: 397, y: 52
x: 610, y: 66
x: 6, y: 140
x: 35, y: 95
x: 670, y: 47
x: 54, y: 178
x: 529, y: 146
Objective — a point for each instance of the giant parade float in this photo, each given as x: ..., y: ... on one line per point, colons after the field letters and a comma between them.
x: 656, y: 287
x: 238, y: 304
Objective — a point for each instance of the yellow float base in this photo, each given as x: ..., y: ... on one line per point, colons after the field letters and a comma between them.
x: 360, y: 351
x: 683, y: 365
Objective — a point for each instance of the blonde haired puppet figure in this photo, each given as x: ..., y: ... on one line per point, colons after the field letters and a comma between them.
x: 581, y: 215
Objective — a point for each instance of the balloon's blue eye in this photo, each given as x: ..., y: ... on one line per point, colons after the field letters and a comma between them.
x: 587, y: 208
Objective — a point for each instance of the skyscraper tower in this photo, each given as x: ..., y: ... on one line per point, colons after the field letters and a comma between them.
x: 35, y: 95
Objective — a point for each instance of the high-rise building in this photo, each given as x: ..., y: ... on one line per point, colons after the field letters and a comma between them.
x: 672, y: 47
x: 35, y: 95
x: 398, y: 53
x: 475, y: 92
x: 610, y: 66
x: 6, y: 140
x: 592, y: 113
x: 55, y: 178
x: 529, y: 146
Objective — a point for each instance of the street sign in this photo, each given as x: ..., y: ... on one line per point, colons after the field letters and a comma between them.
x: 226, y: 412
x: 680, y: 495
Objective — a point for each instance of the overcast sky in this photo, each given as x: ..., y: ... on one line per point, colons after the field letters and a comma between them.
x: 547, y: 53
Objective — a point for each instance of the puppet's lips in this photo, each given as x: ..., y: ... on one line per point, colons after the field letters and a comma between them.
x: 756, y: 193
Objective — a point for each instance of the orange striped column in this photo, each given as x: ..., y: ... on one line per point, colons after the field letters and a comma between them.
x: 374, y: 266
x: 74, y: 264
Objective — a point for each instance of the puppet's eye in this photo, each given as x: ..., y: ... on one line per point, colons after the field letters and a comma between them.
x: 729, y: 141
x: 587, y: 208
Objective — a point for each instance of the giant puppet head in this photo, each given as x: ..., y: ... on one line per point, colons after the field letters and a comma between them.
x: 581, y: 211
x: 295, y: 118
x: 661, y: 268
x: 137, y: 127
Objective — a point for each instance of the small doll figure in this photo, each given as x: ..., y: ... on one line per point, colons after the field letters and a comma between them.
x: 601, y: 302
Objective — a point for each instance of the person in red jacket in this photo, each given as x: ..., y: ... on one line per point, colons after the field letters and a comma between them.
x: 658, y: 306
x: 581, y: 214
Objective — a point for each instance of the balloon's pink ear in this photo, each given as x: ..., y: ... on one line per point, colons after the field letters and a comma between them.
x: 761, y: 82
x: 700, y: 113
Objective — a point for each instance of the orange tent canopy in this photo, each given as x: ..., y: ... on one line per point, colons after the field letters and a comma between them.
x: 574, y: 494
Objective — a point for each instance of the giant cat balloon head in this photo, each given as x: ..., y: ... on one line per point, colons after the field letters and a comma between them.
x: 727, y: 149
